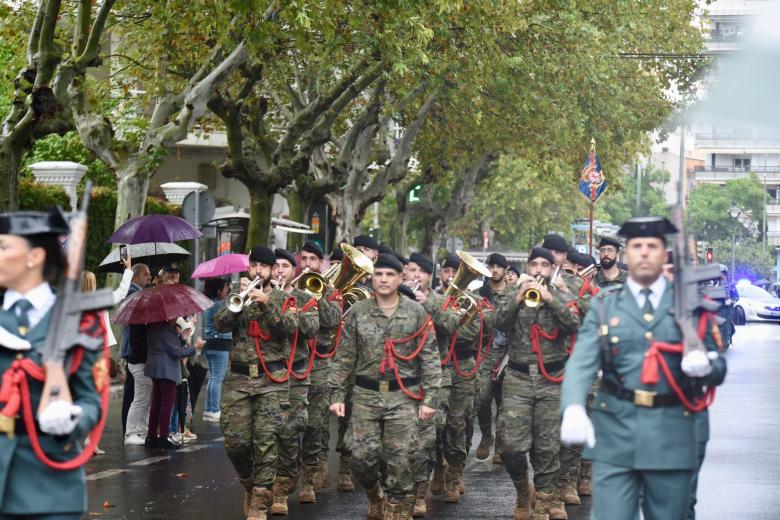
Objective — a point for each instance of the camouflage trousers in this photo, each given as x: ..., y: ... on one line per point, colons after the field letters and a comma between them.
x: 341, y: 445
x: 570, y: 457
x: 428, y: 451
x: 253, y: 413
x: 291, y: 434
x: 381, y: 436
x: 316, y: 436
x: 486, y: 392
x: 529, y: 422
x: 459, y: 413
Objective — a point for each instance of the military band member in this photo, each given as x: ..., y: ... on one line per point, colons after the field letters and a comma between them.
x: 288, y: 470
x: 494, y: 291
x: 560, y: 248
x: 395, y: 384
x: 30, y: 257
x: 368, y: 245
x: 642, y: 438
x: 512, y: 274
x: 528, y: 421
x: 316, y: 438
x: 255, y: 394
x: 610, y: 273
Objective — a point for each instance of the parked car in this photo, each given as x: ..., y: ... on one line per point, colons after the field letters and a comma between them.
x: 755, y: 304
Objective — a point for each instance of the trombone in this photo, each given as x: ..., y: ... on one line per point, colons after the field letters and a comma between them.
x: 236, y: 302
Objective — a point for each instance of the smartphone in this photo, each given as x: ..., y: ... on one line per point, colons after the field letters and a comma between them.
x: 123, y: 253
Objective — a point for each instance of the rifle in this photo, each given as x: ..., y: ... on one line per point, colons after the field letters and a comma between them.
x: 64, y: 330
x: 689, y: 295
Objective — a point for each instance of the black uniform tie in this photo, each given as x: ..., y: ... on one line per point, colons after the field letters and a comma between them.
x: 20, y: 308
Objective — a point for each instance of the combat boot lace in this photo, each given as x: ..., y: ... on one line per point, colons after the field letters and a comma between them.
x: 523, y: 503
x: 281, y: 488
x: 485, y: 443
x: 345, y: 477
x: 570, y: 495
x: 306, y: 494
x: 420, y: 509
x: 258, y: 507
x: 437, y: 482
x: 322, y: 477
x: 452, y: 485
x: 376, y: 503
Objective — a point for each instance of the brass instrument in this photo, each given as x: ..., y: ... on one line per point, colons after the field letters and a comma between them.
x: 352, y: 269
x: 588, y: 271
x: 237, y: 301
x: 470, y: 269
x: 415, y: 285
x: 310, y: 282
x: 532, y: 297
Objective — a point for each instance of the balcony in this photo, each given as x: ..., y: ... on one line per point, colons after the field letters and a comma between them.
x: 720, y: 174
x: 709, y: 142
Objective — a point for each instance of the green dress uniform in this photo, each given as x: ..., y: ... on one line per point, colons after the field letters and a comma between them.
x: 648, y: 442
x: 27, y: 486
x: 383, y: 428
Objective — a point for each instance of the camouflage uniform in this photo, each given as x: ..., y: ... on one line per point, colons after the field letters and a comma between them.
x: 254, y: 408
x: 383, y: 432
x: 528, y: 419
x: 289, y: 436
x: 602, y: 281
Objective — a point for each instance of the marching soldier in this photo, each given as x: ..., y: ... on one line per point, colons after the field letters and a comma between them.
x: 512, y: 274
x: 610, y: 273
x: 255, y: 394
x: 52, y: 484
x: 303, y: 361
x: 643, y: 435
x: 368, y: 245
x: 494, y: 291
x: 528, y: 421
x: 389, y: 348
x: 316, y: 438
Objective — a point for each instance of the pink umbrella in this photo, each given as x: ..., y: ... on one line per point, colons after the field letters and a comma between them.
x: 162, y: 303
x: 221, y: 266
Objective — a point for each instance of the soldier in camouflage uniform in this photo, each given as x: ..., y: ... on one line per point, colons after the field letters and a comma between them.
x: 389, y: 392
x: 297, y: 416
x: 494, y: 291
x: 316, y: 435
x: 609, y: 273
x: 255, y: 394
x: 528, y: 420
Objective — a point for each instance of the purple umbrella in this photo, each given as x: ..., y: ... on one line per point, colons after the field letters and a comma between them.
x: 154, y: 228
x: 221, y: 266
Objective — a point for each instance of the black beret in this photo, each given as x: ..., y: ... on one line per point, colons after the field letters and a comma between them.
x: 497, y: 259
x: 283, y: 254
x: 366, y: 241
x: 313, y: 248
x: 337, y: 255
x: 263, y: 255
x: 401, y: 258
x: 541, y: 252
x: 513, y: 269
x: 388, y: 261
x: 640, y: 227
x: 451, y: 260
x: 587, y: 260
x: 425, y: 263
x: 384, y: 248
x: 556, y: 242
x: 407, y: 291
x: 28, y: 223
x: 573, y: 256
x: 610, y: 241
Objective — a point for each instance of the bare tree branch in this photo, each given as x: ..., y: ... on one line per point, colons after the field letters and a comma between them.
x: 93, y: 43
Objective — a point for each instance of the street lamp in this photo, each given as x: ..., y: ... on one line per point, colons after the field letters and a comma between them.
x: 735, y: 212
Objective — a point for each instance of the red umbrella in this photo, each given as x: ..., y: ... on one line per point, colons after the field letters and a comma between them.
x: 161, y: 303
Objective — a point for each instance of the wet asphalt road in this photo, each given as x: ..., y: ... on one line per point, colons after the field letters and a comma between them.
x: 739, y: 480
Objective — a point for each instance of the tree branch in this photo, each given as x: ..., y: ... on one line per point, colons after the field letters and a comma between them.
x: 35, y: 33
x: 48, y: 55
x: 93, y: 43
x: 83, y: 16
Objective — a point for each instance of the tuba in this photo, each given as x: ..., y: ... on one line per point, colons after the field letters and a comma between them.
x: 470, y: 269
x: 352, y: 269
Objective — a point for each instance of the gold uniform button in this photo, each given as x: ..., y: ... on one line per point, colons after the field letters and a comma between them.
x: 603, y: 405
x: 67, y: 447
x: 686, y: 413
x: 649, y: 335
x: 648, y: 317
x: 20, y: 356
x: 614, y: 339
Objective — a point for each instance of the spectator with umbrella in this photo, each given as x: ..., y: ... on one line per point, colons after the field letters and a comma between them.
x: 138, y: 388
x: 216, y: 349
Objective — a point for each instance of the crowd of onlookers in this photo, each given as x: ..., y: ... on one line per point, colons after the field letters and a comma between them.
x: 165, y: 365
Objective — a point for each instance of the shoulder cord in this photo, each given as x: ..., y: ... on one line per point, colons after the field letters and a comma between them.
x: 311, y: 304
x: 336, y: 296
x: 482, y: 353
x: 15, y: 393
x: 256, y: 332
x: 390, y: 355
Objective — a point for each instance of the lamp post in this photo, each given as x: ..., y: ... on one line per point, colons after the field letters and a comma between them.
x: 735, y: 213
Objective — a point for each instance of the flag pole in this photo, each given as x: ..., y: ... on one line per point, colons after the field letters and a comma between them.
x: 590, y: 232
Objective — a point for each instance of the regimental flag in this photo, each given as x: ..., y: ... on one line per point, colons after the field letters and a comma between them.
x: 592, y: 181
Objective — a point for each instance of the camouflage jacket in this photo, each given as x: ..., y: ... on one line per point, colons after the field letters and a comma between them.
x: 363, y: 348
x: 445, y: 324
x: 602, y: 281
x: 519, y: 319
x: 330, y: 316
x: 281, y: 326
x: 308, y: 323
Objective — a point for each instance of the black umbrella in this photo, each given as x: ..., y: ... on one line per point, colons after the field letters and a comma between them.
x: 154, y: 254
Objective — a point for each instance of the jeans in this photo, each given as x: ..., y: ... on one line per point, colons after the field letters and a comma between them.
x: 218, y: 361
x: 138, y: 415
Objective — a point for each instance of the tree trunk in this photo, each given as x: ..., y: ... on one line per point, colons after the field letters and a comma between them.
x: 131, y: 193
x: 259, y: 219
x: 401, y: 222
x: 298, y: 210
x: 429, y: 239
x: 10, y: 162
x: 346, y: 220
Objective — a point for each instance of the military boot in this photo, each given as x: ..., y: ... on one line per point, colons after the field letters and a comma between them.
x: 394, y: 510
x: 437, y: 481
x: 376, y: 503
x: 523, y: 502
x: 407, y: 507
x: 585, y: 487
x: 420, y: 509
x: 322, y: 477
x: 485, y: 443
x: 497, y: 458
x: 557, y: 509
x: 452, y: 486
x: 306, y: 494
x: 544, y: 500
x: 248, y: 485
x: 281, y: 489
x: 258, y: 507
x: 570, y: 495
x: 345, y: 477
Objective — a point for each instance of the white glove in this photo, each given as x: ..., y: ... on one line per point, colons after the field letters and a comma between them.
x: 696, y: 364
x: 576, y: 427
x: 59, y: 418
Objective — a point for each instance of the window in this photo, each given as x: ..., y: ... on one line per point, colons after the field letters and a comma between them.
x: 742, y: 163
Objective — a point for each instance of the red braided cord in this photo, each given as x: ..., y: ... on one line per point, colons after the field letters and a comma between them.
x: 312, y: 343
x: 257, y: 333
x: 390, y: 355
x: 536, y: 332
x: 336, y: 342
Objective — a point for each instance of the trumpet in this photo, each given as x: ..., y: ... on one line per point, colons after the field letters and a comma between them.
x: 588, y: 271
x: 415, y: 285
x: 278, y: 283
x: 532, y: 297
x: 236, y: 302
